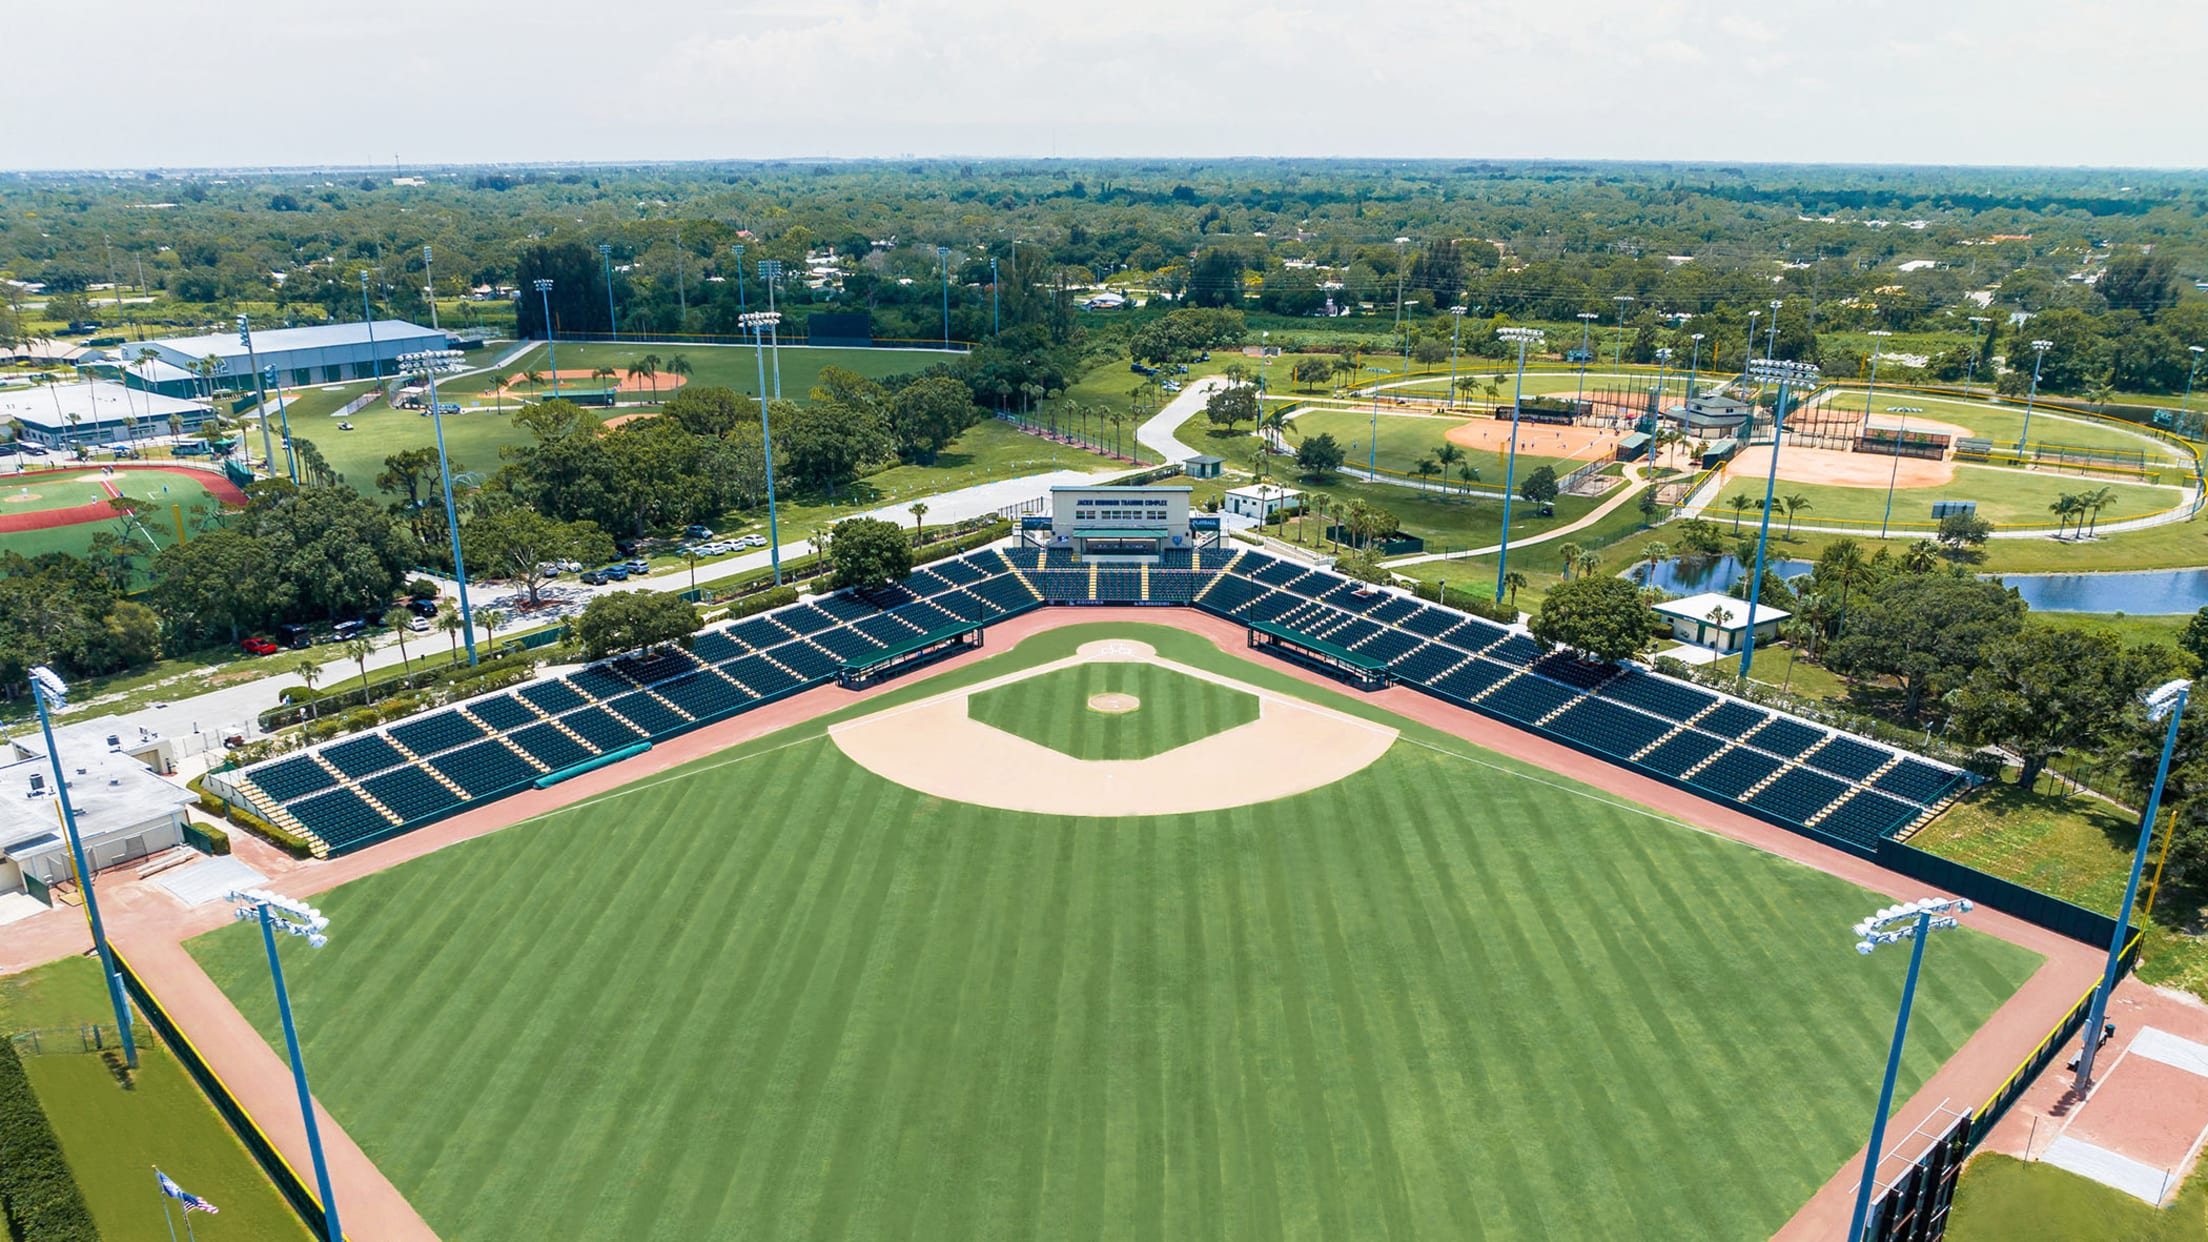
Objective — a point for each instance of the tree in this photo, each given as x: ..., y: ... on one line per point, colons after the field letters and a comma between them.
x: 1319, y: 457
x: 634, y: 620
x: 1568, y: 553
x: 928, y: 414
x: 526, y: 546
x: 450, y: 621
x: 1657, y: 550
x: 358, y: 650
x: 546, y: 421
x: 2194, y: 641
x: 223, y: 580
x: 1311, y: 372
x: 1795, y: 502
x: 1602, y: 618
x: 396, y: 621
x: 1961, y: 533
x: 2045, y: 690
x: 1512, y: 580
x: 1445, y: 456
x: 309, y: 670
x: 1229, y: 406
x: 1739, y: 503
x: 869, y: 553
x: 1540, y: 486
x: 411, y: 471
x: 919, y: 511
x: 679, y: 366
x: 1926, y: 631
x: 646, y: 368
x: 710, y: 412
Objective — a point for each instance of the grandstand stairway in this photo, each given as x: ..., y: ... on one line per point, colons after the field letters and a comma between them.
x: 1219, y: 577
x: 1684, y: 725
x: 1784, y: 768
x: 274, y: 812
x: 503, y: 740
x: 426, y: 766
x: 1722, y: 751
x: 561, y: 725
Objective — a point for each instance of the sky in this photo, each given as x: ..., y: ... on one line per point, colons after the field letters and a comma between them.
x: 228, y: 83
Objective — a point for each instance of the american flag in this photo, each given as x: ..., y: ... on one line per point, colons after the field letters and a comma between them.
x: 191, y: 1202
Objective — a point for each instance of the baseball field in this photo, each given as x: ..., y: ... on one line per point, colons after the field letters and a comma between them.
x: 1390, y: 985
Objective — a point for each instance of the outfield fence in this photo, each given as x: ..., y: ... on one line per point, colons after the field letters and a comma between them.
x: 47, y: 1041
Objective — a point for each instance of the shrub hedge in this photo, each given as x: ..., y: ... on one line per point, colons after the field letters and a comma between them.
x: 38, y: 1194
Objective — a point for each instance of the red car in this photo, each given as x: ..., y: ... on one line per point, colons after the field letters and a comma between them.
x: 259, y: 646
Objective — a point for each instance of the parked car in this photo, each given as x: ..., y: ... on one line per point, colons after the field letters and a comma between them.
x: 349, y: 629
x: 418, y: 625
x: 696, y: 531
x: 594, y: 577
x: 616, y: 573
x: 259, y: 646
x: 422, y: 607
x: 639, y: 566
x: 752, y: 541
x: 571, y: 567
x: 295, y: 637
x: 1171, y: 385
x: 448, y: 407
x: 344, y: 426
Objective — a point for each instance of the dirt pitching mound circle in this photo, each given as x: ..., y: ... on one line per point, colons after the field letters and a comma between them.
x: 1112, y: 703
x: 933, y: 746
x: 21, y: 498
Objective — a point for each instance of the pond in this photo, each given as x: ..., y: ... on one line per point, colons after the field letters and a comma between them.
x: 2144, y: 593
x: 1692, y: 575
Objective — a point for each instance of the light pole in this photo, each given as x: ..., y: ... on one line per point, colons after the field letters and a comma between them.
x: 996, y: 320
x: 2192, y: 371
x: 429, y: 286
x: 374, y: 362
x: 1976, y: 338
x: 1894, y: 475
x: 1524, y: 337
x: 245, y: 338
x: 2167, y: 699
x: 283, y: 417
x: 1586, y: 352
x: 1694, y: 365
x: 742, y: 306
x: 1663, y: 377
x: 1913, y: 921
x: 1786, y: 373
x: 943, y: 261
x: 426, y: 365
x: 1771, y: 331
x: 551, y: 348
x: 293, y: 918
x: 605, y: 253
x: 770, y: 270
x: 52, y: 692
x: 1748, y: 361
x: 760, y: 322
x: 1400, y: 242
x: 2039, y: 355
x: 1617, y: 353
x: 1456, y: 331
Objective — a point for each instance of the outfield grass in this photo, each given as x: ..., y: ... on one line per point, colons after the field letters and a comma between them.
x: 1450, y: 996
x: 730, y: 366
x: 112, y: 1136
x: 2003, y: 1199
x: 1053, y: 710
x: 165, y: 489
x: 1403, y: 437
x: 2005, y: 498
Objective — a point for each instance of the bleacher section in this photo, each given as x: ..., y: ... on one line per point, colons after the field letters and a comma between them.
x: 1840, y: 788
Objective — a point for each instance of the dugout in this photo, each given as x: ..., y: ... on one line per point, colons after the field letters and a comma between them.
x: 1355, y: 667
x: 1632, y: 447
x: 1719, y: 453
x: 907, y: 654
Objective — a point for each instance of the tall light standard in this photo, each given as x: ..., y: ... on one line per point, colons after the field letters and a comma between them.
x: 283, y: 417
x: 943, y: 261
x: 52, y: 692
x: 2167, y: 699
x: 743, y: 306
x: 1524, y: 337
x: 1913, y: 921
x: 1586, y: 353
x: 1617, y: 354
x: 1893, y: 476
x: 426, y: 365
x: 293, y: 918
x: 1694, y: 365
x: 551, y: 348
x: 605, y: 254
x: 1749, y: 360
x: 291, y: 464
x: 1456, y: 331
x: 996, y: 321
x: 429, y: 287
x: 770, y: 270
x: 1663, y: 377
x: 1771, y: 331
x: 1786, y: 373
x: 759, y: 323
x: 2192, y: 371
x: 1976, y: 338
x: 1400, y: 242
x: 2039, y: 355
x: 366, y: 318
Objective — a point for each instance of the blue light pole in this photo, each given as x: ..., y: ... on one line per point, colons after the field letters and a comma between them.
x: 1893, y: 476
x: 1617, y: 352
x: 1694, y: 365
x: 551, y: 349
x: 260, y: 392
x: 427, y: 364
x: 762, y: 322
x: 375, y: 364
x: 613, y: 324
x: 770, y: 270
x: 1586, y: 354
x: 1524, y: 337
x: 943, y: 260
x: 2167, y: 699
x: 283, y: 417
x: 1786, y: 373
x: 1456, y: 331
x: 2039, y: 355
x: 743, y: 306
x: 1912, y: 921
x: 996, y: 321
x: 51, y: 692
x: 293, y: 918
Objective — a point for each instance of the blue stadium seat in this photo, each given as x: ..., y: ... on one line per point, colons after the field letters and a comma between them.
x: 426, y: 735
x: 554, y: 749
x: 1683, y: 751
x: 410, y: 792
x: 292, y: 777
x: 358, y: 756
x: 1527, y: 699
x: 1917, y: 781
x: 1731, y: 773
x: 594, y: 726
x: 1799, y: 794
x: 1660, y: 695
x: 501, y: 712
x: 647, y: 713
x: 552, y: 697
x: 1849, y: 757
x: 485, y: 769
x: 1608, y: 727
x: 339, y: 817
x: 1787, y: 737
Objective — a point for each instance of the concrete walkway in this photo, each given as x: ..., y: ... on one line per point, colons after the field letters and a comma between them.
x: 1157, y: 432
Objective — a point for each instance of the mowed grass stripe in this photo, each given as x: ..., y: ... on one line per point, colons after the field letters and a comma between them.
x: 780, y: 997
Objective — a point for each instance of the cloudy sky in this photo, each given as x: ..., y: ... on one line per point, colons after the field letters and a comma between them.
x: 247, y: 82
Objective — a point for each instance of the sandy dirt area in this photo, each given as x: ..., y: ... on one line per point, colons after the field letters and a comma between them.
x: 1842, y: 468
x: 1544, y: 439
x: 663, y: 384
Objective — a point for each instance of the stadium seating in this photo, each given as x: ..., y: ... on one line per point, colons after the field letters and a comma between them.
x: 1681, y: 751
x: 426, y: 735
x: 410, y: 792
x: 594, y: 726
x: 552, y: 697
x: 1609, y: 728
x: 1734, y: 771
x: 340, y: 817
x: 501, y: 712
x: 358, y: 756
x: 552, y: 748
x: 485, y: 769
x: 287, y: 779
x: 655, y: 718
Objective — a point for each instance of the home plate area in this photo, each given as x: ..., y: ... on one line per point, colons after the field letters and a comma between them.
x: 2140, y: 1130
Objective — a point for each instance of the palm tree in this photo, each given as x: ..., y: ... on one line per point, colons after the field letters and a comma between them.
x: 491, y: 618
x: 1846, y: 565
x: 1448, y: 455
x: 679, y: 365
x: 2065, y: 508
x: 2096, y: 500
x: 448, y: 620
x: 604, y: 373
x: 533, y: 377
x: 1426, y: 465
x: 1569, y: 554
x: 498, y: 391
x: 1795, y: 502
x: 1117, y: 418
x: 1274, y: 425
x: 690, y: 555
x: 1589, y: 562
x: 310, y: 672
x: 1512, y: 580
x: 1739, y: 502
x: 1657, y: 550
x: 646, y: 368
x: 360, y: 649
x: 1922, y: 557
x: 919, y: 510
x: 396, y: 621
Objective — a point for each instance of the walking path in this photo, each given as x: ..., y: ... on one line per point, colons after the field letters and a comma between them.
x: 1157, y: 432
x: 1599, y: 512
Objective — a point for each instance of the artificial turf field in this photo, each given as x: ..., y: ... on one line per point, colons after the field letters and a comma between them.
x: 770, y: 994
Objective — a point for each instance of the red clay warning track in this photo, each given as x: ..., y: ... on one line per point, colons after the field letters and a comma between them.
x: 221, y: 488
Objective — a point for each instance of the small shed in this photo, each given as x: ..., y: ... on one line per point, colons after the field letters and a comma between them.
x: 1632, y: 447
x: 1718, y: 621
x: 1720, y: 452
x: 1203, y: 466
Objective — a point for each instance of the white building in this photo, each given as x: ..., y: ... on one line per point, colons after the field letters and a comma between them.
x: 1261, y: 500
x: 323, y: 354
x: 123, y: 810
x: 1719, y: 621
x: 98, y: 412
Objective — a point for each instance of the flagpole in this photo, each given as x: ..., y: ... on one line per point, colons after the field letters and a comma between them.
x: 189, y: 1236
x: 166, y: 1219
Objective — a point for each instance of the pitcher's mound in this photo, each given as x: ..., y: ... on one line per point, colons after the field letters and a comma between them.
x: 1113, y: 704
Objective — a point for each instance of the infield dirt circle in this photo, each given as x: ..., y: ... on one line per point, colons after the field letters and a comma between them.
x: 935, y: 747
x: 1113, y: 703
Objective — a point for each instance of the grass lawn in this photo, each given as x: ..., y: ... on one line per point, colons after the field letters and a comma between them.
x: 2003, y: 1199
x: 876, y: 1012
x: 1053, y: 710
x: 1405, y: 436
x: 163, y: 489
x: 113, y: 1135
x: 2003, y: 424
x: 2005, y: 497
x: 730, y: 366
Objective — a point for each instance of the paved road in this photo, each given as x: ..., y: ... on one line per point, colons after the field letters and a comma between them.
x: 1156, y: 434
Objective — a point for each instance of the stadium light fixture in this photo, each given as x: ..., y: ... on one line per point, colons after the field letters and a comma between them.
x: 1749, y: 359
x: 1694, y: 365
x: 1523, y: 337
x: 291, y: 462
x: 1663, y: 375
x: 375, y: 364
x: 1878, y: 340
x: 429, y: 288
x: 1617, y: 352
x: 1586, y: 328
x: 770, y: 270
x: 1771, y: 330
x: 605, y: 255
x: 1912, y: 921
x: 1787, y: 374
x: 2165, y: 700
x: 758, y: 323
x: 426, y: 365
x: 1456, y: 332
x: 2039, y: 355
x: 276, y: 913
x: 51, y: 692
x: 2192, y: 371
x: 551, y: 348
x: 1971, y: 373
